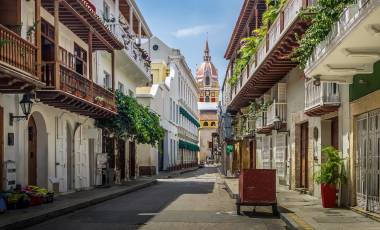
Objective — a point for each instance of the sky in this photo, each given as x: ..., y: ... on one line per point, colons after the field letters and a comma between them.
x: 185, y: 24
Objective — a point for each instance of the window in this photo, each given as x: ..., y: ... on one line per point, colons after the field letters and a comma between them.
x: 120, y: 87
x: 80, y: 60
x: 106, y: 11
x: 171, y: 109
x: 207, y: 98
x: 210, y: 144
x: 205, y: 124
x: 107, y: 80
x: 131, y: 94
x: 213, y: 123
x: 207, y: 80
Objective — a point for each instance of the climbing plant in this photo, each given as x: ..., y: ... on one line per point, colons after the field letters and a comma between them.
x: 133, y: 121
x: 323, y: 16
x: 249, y: 45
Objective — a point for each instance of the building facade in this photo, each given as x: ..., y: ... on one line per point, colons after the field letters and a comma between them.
x: 173, y: 97
x: 67, y: 70
x: 299, y: 111
x: 207, y: 80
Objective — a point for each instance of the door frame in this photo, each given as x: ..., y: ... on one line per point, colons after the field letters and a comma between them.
x: 132, y: 159
x: 303, y: 158
x: 1, y: 147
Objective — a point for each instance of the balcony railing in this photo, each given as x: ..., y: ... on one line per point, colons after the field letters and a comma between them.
x: 347, y: 20
x: 325, y: 94
x: 17, y: 52
x: 137, y: 54
x: 276, y: 110
x: 275, y: 33
x: 261, y: 121
x: 76, y: 84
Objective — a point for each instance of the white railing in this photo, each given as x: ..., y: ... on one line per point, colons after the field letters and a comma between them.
x: 346, y: 22
x: 130, y: 47
x: 290, y: 12
x: 261, y: 121
x: 276, y: 110
x: 326, y: 94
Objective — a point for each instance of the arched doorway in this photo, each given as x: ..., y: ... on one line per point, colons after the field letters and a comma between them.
x: 32, y: 152
x: 37, y: 151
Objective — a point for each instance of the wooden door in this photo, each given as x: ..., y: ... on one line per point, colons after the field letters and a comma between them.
x: 335, y: 132
x: 252, y: 154
x: 132, y: 159
x: 121, y: 147
x: 304, y: 155
x: 1, y: 147
x: 32, y: 152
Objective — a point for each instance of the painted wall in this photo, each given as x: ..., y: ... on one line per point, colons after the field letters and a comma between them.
x: 364, y: 84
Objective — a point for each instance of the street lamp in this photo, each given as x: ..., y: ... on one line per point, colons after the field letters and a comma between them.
x: 277, y: 123
x: 26, y: 106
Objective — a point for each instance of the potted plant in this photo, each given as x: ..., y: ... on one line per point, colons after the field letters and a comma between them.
x: 99, y: 100
x: 330, y: 175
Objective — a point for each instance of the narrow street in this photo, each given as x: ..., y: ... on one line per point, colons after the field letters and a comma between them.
x: 197, y: 200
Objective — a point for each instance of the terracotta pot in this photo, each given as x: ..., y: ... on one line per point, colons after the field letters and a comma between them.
x: 328, y: 192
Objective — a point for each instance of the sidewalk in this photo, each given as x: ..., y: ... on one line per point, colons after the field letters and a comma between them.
x: 16, y: 219
x: 301, y: 211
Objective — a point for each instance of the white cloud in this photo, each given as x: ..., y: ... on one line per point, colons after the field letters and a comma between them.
x: 193, y: 31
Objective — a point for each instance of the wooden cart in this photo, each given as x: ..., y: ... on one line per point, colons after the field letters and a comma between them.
x: 257, y: 187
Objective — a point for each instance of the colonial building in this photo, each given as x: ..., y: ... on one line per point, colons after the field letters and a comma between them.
x: 328, y: 103
x: 60, y: 63
x: 173, y: 96
x: 207, y: 80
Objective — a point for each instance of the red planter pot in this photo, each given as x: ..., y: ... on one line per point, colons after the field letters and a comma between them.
x: 328, y: 195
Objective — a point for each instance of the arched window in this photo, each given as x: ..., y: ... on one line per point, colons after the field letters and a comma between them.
x: 207, y: 98
x: 213, y: 123
x: 207, y: 80
x: 205, y: 123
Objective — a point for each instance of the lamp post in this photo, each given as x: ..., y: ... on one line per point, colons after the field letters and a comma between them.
x: 277, y: 123
x: 26, y: 104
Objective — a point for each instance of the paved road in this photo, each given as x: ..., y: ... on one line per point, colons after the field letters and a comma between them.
x: 196, y: 200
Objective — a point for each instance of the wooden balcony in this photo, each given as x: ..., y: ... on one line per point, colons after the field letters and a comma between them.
x: 17, y: 63
x: 261, y: 124
x: 272, y: 60
x: 74, y: 92
x: 321, y: 99
x: 80, y: 17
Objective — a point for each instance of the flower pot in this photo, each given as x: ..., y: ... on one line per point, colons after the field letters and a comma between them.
x: 328, y: 192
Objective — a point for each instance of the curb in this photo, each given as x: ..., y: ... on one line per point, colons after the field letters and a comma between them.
x: 60, y: 212
x: 232, y: 195
x: 188, y: 170
x: 294, y: 222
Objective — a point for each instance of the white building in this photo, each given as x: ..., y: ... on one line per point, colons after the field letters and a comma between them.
x: 173, y: 96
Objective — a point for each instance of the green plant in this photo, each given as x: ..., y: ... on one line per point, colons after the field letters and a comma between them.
x: 31, y: 29
x: 133, y: 121
x: 332, y: 170
x: 324, y: 15
x: 99, y: 98
x: 249, y: 45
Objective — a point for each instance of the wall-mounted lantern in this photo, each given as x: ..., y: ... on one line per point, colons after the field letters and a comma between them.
x: 26, y: 104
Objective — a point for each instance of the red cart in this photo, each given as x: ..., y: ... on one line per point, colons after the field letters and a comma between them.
x: 257, y: 187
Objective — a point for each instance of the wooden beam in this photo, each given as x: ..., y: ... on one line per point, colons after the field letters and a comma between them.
x: 56, y: 45
x: 90, y: 63
x: 37, y: 16
x: 113, y: 70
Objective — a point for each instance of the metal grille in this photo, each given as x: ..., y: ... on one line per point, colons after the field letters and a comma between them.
x: 368, y: 161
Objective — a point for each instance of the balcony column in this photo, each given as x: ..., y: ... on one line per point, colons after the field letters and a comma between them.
x: 37, y: 16
x: 131, y: 19
x: 140, y: 32
x: 113, y: 70
x: 117, y: 11
x: 90, y: 64
x: 56, y: 44
x: 282, y: 20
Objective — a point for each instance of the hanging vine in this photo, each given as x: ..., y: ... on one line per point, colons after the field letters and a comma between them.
x: 249, y: 45
x: 324, y: 15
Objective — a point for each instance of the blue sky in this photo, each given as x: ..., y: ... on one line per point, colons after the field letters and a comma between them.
x: 183, y: 24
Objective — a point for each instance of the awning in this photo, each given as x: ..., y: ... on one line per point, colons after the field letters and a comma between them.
x: 187, y: 145
x: 189, y: 116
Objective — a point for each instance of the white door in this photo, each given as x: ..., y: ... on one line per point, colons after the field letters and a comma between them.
x: 81, y: 159
x: 280, y: 154
x: 61, y: 156
x: 368, y: 161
